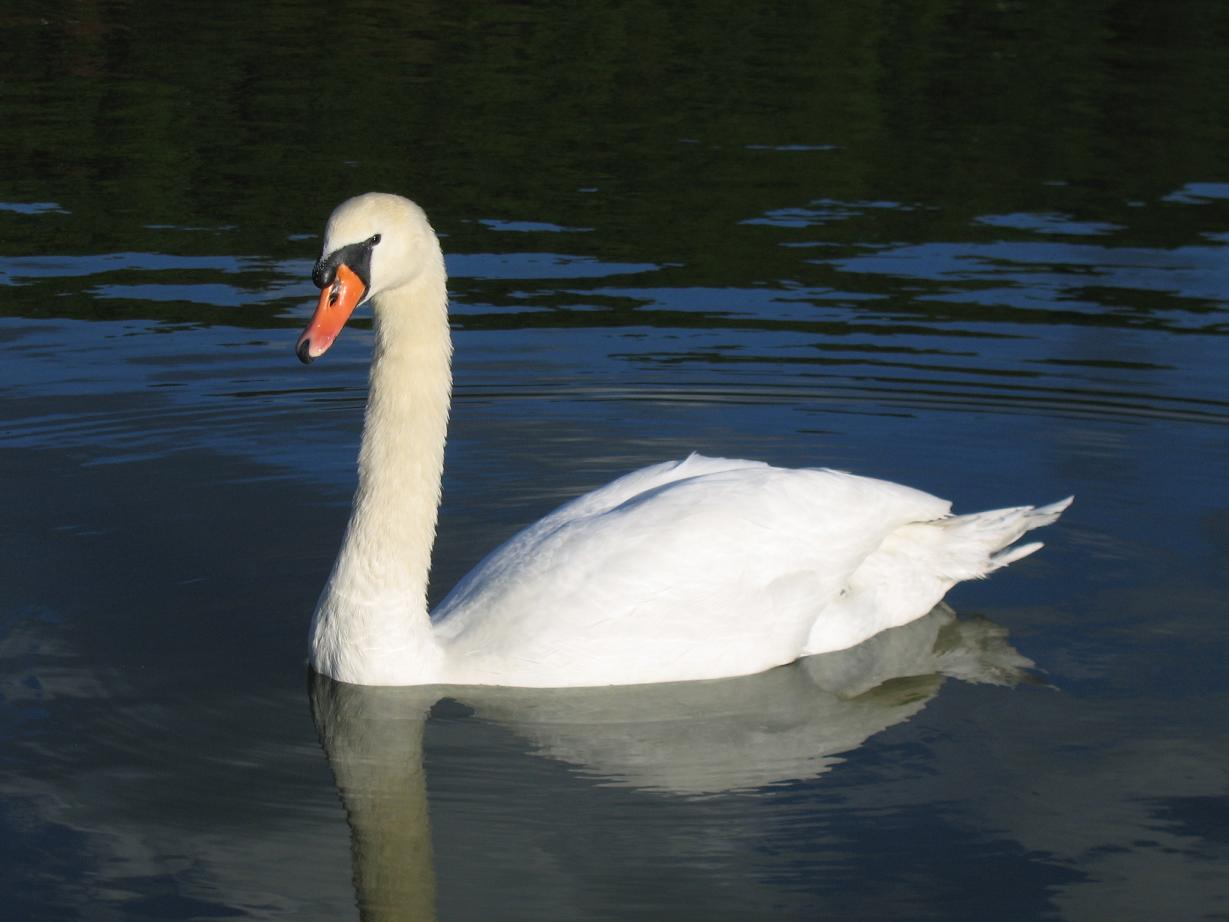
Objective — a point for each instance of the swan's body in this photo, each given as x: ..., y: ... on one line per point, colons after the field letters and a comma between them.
x: 696, y: 569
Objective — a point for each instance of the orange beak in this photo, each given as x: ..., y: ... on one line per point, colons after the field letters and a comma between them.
x: 337, y: 303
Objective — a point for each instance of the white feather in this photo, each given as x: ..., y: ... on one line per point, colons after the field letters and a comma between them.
x: 696, y: 569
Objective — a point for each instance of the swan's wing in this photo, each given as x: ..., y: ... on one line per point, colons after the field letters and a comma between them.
x: 698, y: 569
x: 638, y: 483
x: 515, y: 555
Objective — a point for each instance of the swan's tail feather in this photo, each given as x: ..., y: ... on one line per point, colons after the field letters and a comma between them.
x: 982, y: 542
x: 916, y: 565
x: 1002, y: 558
x: 1047, y: 515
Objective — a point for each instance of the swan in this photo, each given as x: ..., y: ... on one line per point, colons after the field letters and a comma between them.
x: 694, y: 569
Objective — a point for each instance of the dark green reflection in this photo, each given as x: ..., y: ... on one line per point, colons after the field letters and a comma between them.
x: 679, y: 122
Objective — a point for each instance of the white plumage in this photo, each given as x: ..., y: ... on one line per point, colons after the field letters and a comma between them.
x: 695, y: 569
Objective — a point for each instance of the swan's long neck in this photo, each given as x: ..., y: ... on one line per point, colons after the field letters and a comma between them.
x: 371, y: 625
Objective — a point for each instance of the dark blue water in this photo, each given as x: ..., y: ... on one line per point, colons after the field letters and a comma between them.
x: 983, y: 250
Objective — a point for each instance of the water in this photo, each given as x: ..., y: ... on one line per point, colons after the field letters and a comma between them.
x: 978, y: 249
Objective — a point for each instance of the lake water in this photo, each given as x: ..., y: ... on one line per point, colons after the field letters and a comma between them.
x: 982, y: 249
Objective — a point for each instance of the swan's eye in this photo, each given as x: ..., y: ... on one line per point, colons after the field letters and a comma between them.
x: 372, y: 240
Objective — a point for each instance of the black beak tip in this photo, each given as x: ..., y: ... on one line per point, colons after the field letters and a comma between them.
x: 303, y: 351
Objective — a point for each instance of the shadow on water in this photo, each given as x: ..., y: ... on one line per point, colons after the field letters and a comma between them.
x: 690, y: 739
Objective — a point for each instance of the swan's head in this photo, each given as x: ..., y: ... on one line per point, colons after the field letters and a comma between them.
x: 372, y: 243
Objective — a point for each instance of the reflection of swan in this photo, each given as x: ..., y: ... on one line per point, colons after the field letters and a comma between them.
x: 373, y: 739
x: 682, y: 738
x: 749, y: 731
x: 688, y: 570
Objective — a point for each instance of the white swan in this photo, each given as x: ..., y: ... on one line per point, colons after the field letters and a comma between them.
x: 693, y: 569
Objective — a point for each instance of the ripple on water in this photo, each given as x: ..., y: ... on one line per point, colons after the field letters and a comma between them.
x: 34, y: 208
x: 1049, y: 223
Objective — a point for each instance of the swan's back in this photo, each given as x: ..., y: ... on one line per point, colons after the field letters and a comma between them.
x: 687, y: 570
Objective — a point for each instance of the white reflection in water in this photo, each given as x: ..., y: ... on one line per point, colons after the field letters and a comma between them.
x: 687, y: 739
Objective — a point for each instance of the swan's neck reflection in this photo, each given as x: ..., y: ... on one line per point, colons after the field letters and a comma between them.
x: 685, y: 739
x: 373, y: 740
